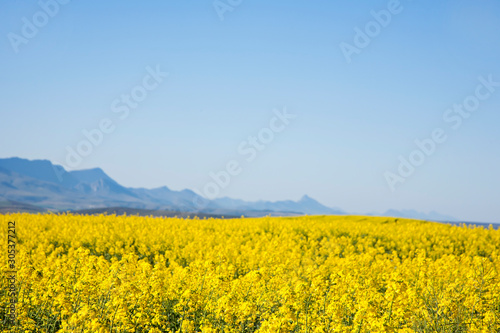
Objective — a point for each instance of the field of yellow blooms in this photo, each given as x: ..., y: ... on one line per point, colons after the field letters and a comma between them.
x: 297, y: 274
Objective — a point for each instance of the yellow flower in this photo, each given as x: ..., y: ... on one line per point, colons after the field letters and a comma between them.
x: 314, y: 274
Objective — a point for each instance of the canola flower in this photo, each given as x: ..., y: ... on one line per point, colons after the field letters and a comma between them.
x: 296, y: 274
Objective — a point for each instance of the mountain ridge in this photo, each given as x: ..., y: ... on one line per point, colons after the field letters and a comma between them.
x: 47, y: 186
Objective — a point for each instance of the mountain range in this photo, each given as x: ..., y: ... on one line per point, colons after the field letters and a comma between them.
x: 45, y: 185
x: 39, y: 185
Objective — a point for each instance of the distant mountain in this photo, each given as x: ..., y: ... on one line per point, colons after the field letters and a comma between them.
x: 39, y: 185
x: 413, y: 214
x: 25, y: 189
x: 97, y: 182
x: 306, y: 205
x: 165, y: 198
x: 90, y: 175
x: 48, y: 186
x: 39, y: 169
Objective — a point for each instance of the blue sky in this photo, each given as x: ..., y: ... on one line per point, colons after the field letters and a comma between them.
x: 227, y: 79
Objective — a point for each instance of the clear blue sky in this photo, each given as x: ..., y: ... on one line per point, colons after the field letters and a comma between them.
x: 225, y: 78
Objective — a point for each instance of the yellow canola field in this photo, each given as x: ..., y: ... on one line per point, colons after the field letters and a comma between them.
x: 300, y: 274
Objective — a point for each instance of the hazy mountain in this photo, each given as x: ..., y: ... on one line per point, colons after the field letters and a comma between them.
x: 164, y: 198
x: 39, y: 169
x: 47, y: 186
x: 90, y: 175
x: 91, y: 181
x: 21, y: 188
x: 306, y: 205
x: 41, y: 183
x: 97, y: 182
